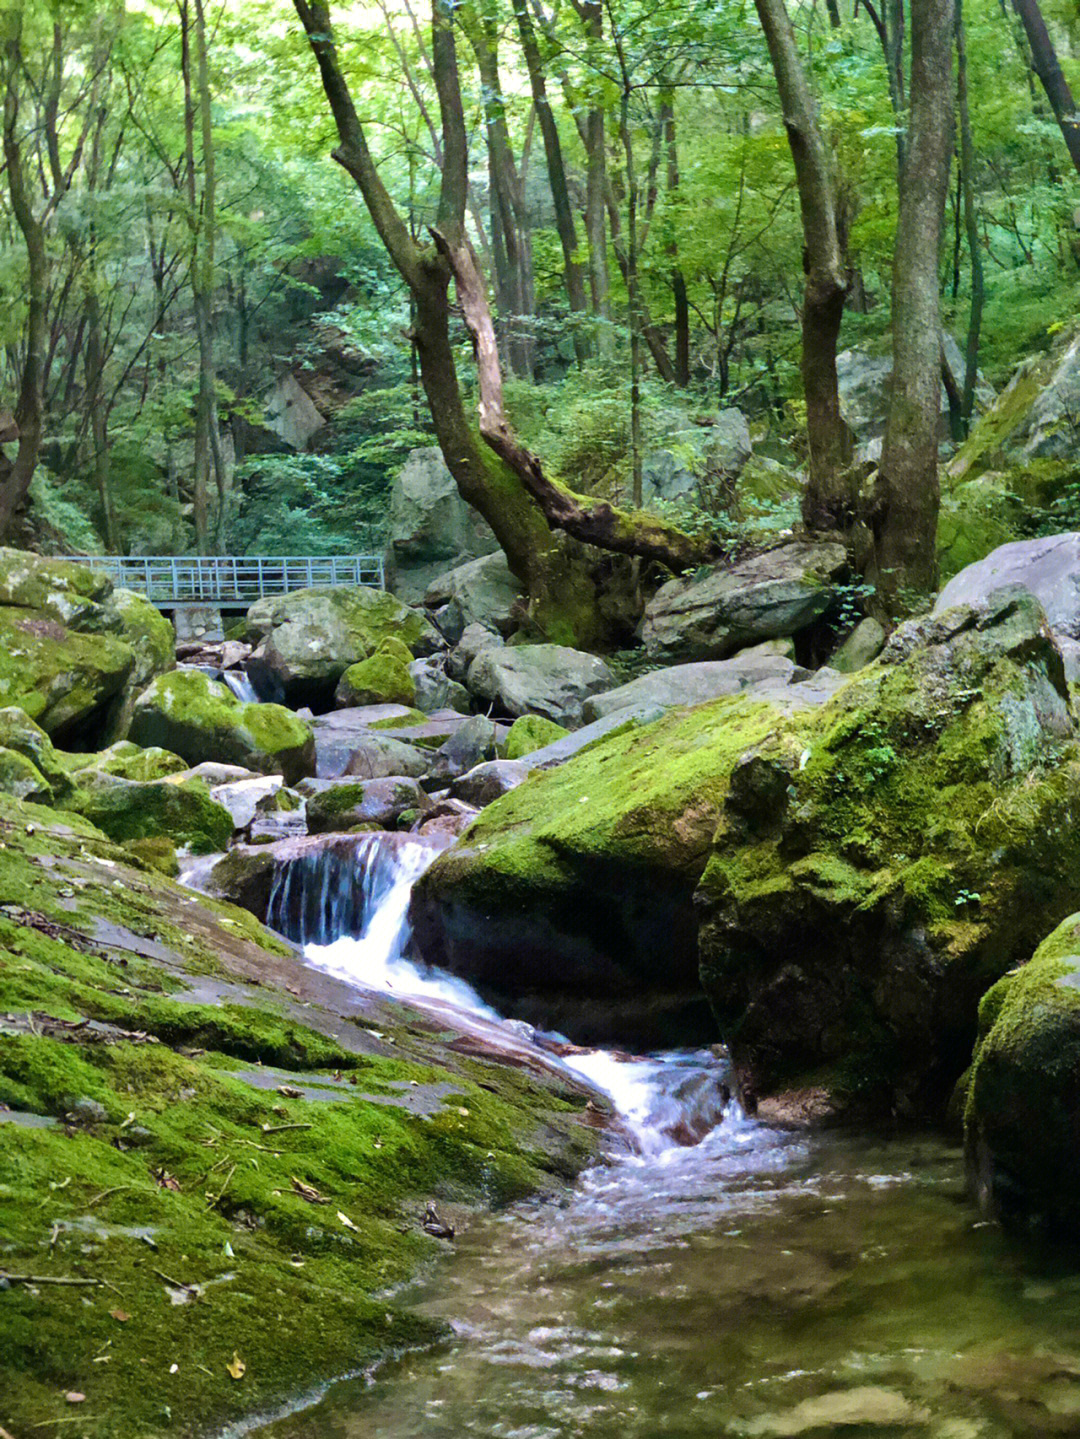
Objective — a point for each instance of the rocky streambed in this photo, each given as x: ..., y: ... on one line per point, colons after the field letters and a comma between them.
x: 218, y: 1154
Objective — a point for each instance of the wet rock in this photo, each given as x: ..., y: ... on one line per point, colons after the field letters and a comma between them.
x: 777, y: 593
x: 446, y: 819
x: 489, y: 781
x: 866, y: 1407
x: 190, y: 715
x: 337, y: 805
x: 132, y: 809
x: 549, y: 680
x: 308, y: 639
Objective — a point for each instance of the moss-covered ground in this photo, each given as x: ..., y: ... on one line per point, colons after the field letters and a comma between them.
x: 223, y: 1155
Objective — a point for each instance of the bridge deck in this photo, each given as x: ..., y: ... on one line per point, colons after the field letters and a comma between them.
x: 175, y: 581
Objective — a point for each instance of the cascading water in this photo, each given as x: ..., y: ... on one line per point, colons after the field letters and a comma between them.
x: 346, y: 901
x: 241, y: 686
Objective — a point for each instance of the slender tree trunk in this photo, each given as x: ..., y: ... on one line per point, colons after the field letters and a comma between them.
x: 829, y: 501
x: 29, y: 407
x: 905, y: 512
x: 633, y: 294
x: 1048, y: 68
x: 556, y: 168
x: 678, y: 279
x: 971, y: 225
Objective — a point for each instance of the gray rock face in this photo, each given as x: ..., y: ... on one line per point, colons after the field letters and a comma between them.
x: 490, y: 781
x: 549, y: 680
x: 344, y: 733
x: 446, y: 819
x: 864, y: 389
x: 341, y: 804
x: 779, y: 592
x: 481, y: 592
x: 1046, y: 423
x: 428, y: 518
x: 1047, y: 568
x: 474, y: 741
x: 693, y: 684
x: 721, y: 449
x: 435, y: 690
x: 374, y: 756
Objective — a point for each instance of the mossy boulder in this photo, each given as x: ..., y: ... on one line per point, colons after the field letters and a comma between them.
x: 570, y: 900
x: 20, y: 776
x: 1022, y: 1112
x: 308, y: 639
x: 882, y: 861
x: 127, y: 809
x: 20, y: 734
x: 529, y: 733
x: 383, y: 678
x: 128, y: 760
x: 189, y: 714
x: 115, y: 642
x: 341, y: 804
x: 66, y: 681
x: 123, y: 994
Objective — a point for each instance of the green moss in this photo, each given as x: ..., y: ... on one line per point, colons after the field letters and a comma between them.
x: 382, y: 678
x: 62, y: 679
x: 185, y: 1166
x: 187, y: 713
x: 126, y: 760
x: 132, y: 809
x: 529, y: 733
x: 21, y: 777
x: 157, y: 852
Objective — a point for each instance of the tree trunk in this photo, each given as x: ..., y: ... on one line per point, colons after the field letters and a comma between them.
x: 971, y: 225
x: 1046, y: 65
x: 29, y: 407
x: 678, y: 279
x: 829, y: 501
x: 905, y: 511
x: 556, y: 168
x: 493, y: 472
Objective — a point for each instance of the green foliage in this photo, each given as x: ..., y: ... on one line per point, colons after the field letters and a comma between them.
x: 308, y: 504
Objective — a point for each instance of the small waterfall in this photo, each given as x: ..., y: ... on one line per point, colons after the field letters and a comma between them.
x: 346, y: 900
x: 241, y: 686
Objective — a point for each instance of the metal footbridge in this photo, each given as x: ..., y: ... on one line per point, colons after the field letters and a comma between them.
x: 232, y: 581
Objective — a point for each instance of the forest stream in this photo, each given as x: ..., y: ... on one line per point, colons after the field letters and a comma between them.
x: 718, y: 1276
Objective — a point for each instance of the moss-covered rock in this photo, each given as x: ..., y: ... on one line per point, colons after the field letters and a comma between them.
x: 341, y: 804
x: 383, y: 678
x: 308, y: 639
x: 884, y: 860
x: 850, y: 878
x: 529, y: 733
x: 570, y: 900
x: 127, y: 809
x: 18, y: 732
x: 128, y: 760
x: 1022, y: 1112
x: 189, y: 714
x: 66, y: 681
x: 20, y: 776
x: 216, y: 1077
x: 115, y: 642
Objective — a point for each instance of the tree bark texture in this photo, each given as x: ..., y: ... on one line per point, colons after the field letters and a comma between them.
x: 905, y: 511
x: 1048, y: 68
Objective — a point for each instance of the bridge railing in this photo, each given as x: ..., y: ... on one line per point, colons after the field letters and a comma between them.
x: 170, y: 580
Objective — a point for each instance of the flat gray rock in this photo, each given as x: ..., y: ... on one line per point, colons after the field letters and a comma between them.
x: 549, y: 680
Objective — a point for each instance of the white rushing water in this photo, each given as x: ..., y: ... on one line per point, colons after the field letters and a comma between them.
x: 348, y: 905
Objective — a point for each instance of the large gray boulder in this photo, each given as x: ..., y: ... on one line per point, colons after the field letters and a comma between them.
x: 308, y: 639
x: 693, y: 684
x: 864, y: 380
x: 1047, y: 568
x: 335, y: 805
x: 549, y: 680
x: 701, y: 453
x: 435, y: 689
x: 428, y: 518
x: 773, y: 594
x: 482, y: 592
